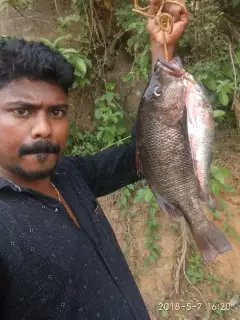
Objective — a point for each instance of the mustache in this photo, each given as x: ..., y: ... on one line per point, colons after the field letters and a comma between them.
x: 39, y: 147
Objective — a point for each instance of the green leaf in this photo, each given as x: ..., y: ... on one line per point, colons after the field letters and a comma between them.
x: 217, y: 214
x: 190, y: 272
x: 126, y: 77
x: 219, y: 173
x: 123, y: 200
x: 223, y: 98
x: 99, y: 135
x: 109, y: 96
x: 140, y: 195
x: 98, y: 114
x: 80, y: 135
x: 155, y: 255
x: 148, y: 195
x: 210, y: 84
x: 114, y: 119
x: 80, y: 65
x: 108, y: 137
x: 110, y: 85
x: 126, y: 192
x: 65, y: 37
x: 215, y: 186
x: 218, y: 113
x: 47, y: 42
x: 152, y: 211
x: 198, y: 275
x: 156, y: 247
x: 70, y: 50
x: 153, y: 222
x: 131, y: 187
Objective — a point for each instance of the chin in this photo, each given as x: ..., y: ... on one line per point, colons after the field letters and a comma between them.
x: 33, y: 174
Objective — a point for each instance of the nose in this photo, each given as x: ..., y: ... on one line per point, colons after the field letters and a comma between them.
x: 41, y: 127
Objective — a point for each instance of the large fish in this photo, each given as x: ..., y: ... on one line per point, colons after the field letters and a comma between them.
x: 175, y: 134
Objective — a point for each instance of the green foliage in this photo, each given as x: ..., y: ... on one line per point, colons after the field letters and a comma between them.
x: 195, y: 268
x: 153, y: 225
x: 216, y: 285
x: 79, y: 61
x: 126, y: 199
x: 217, y: 184
x: 137, y: 45
x: 217, y: 181
x: 109, y: 126
x: 211, y: 54
x: 109, y: 117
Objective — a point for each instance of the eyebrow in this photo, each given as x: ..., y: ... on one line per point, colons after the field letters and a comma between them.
x: 33, y: 105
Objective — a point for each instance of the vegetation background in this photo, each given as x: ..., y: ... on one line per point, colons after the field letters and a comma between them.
x: 108, y: 45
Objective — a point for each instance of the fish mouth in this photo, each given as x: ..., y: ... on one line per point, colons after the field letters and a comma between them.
x: 169, y: 68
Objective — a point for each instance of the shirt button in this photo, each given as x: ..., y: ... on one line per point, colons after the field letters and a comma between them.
x: 56, y: 209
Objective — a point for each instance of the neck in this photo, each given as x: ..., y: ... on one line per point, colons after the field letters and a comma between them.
x: 41, y: 185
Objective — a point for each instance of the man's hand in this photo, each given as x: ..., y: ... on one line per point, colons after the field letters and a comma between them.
x: 180, y: 19
x: 172, y: 8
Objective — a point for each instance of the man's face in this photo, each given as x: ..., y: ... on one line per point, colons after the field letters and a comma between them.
x: 33, y: 128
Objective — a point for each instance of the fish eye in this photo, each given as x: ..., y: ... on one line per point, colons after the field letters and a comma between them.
x: 157, y: 91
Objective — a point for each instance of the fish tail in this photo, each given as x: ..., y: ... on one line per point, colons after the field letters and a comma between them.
x: 211, y: 241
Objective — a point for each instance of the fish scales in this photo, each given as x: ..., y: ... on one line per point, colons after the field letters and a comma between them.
x: 174, y: 138
x: 156, y: 143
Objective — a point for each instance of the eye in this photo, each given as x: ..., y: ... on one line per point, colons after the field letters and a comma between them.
x: 58, y: 113
x: 21, y: 111
x: 157, y: 91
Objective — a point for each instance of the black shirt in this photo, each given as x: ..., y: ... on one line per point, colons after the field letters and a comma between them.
x: 49, y: 269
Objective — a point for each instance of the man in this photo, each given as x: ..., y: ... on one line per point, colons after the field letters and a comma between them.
x: 59, y: 257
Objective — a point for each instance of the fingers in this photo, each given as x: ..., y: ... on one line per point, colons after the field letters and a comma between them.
x: 178, y: 12
x: 184, y: 17
x: 155, y: 2
x: 174, y: 10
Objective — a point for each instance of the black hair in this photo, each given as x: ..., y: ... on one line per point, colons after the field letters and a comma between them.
x: 33, y: 60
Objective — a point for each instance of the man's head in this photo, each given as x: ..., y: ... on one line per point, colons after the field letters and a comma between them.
x: 34, y: 82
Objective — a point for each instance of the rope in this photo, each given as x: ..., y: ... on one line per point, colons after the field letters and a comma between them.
x: 164, y: 20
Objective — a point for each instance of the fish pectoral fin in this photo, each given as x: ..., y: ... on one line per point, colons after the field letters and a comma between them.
x: 211, y: 241
x: 168, y: 208
x: 206, y: 198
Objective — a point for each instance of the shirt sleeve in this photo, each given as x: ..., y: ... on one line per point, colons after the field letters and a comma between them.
x: 109, y: 170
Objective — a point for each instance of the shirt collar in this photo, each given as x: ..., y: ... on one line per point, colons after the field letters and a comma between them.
x: 5, y: 183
